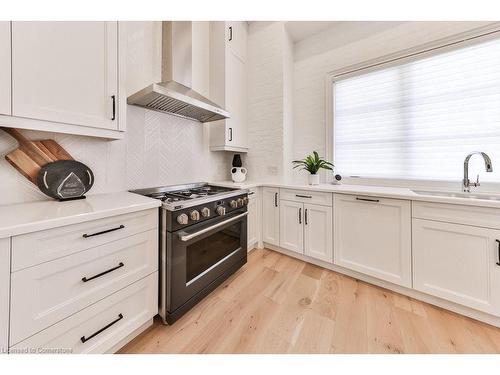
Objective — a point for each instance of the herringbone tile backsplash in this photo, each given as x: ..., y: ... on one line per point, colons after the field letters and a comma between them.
x: 158, y: 149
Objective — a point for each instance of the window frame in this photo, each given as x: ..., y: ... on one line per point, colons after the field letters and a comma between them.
x: 475, y: 36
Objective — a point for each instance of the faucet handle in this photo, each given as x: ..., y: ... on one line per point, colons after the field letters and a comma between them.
x: 477, y: 181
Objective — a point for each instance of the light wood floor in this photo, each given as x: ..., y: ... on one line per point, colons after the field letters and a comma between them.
x: 277, y: 304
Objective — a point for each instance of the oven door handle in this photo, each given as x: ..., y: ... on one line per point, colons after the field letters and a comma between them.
x: 183, y: 236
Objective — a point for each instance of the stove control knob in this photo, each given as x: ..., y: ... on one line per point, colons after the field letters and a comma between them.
x: 221, y: 210
x: 233, y: 204
x: 205, y: 212
x: 245, y: 201
x: 240, y: 202
x: 194, y: 215
x: 182, y: 219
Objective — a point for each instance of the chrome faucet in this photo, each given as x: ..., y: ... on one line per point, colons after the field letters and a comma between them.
x: 466, y: 184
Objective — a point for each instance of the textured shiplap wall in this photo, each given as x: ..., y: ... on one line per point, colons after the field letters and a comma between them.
x: 158, y: 149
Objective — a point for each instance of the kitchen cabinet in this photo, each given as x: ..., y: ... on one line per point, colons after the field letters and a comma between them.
x: 306, y: 228
x: 373, y: 236
x: 459, y: 263
x: 4, y: 293
x: 5, y: 73
x: 254, y: 214
x: 228, y: 87
x: 291, y: 226
x: 66, y: 73
x: 318, y: 232
x: 270, y: 216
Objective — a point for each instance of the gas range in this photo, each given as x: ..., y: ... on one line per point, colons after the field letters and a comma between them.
x: 203, y: 240
x: 178, y: 197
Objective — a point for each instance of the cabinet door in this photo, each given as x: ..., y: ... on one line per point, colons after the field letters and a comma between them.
x: 252, y: 208
x: 291, y: 226
x: 5, y: 73
x: 66, y: 72
x: 236, y: 36
x: 236, y: 103
x: 270, y: 216
x: 4, y: 293
x: 458, y: 263
x: 373, y: 236
x: 318, y: 229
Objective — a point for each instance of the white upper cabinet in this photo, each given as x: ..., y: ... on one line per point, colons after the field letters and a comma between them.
x: 318, y: 229
x: 66, y: 72
x: 457, y: 262
x: 291, y: 226
x: 373, y: 236
x: 4, y: 293
x: 5, y: 73
x: 236, y: 36
x: 228, y: 85
x: 270, y: 216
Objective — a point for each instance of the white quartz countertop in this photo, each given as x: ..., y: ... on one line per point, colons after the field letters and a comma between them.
x: 34, y: 216
x: 368, y: 190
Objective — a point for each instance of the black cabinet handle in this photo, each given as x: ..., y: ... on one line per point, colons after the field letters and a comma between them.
x: 85, y: 279
x: 230, y: 134
x: 103, y: 232
x: 305, y: 216
x: 498, y: 244
x: 303, y: 196
x: 113, y: 116
x: 275, y: 199
x: 230, y: 33
x: 300, y: 215
x: 367, y: 200
x: 85, y: 339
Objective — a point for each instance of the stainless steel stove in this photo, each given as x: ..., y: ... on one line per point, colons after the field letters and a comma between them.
x: 203, y: 240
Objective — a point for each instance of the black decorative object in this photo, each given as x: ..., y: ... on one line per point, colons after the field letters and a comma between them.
x: 237, y: 161
x: 338, y: 177
x: 65, y: 179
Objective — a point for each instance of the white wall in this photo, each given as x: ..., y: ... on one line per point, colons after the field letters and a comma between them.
x: 158, y: 149
x: 344, y: 44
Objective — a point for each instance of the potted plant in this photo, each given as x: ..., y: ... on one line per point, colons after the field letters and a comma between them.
x: 313, y: 163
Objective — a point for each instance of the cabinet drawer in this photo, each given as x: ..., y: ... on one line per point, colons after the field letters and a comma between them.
x: 471, y: 215
x: 43, y: 246
x: 47, y: 293
x: 128, y: 309
x: 306, y: 196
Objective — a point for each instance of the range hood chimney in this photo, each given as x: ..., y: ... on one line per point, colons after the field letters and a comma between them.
x: 174, y: 94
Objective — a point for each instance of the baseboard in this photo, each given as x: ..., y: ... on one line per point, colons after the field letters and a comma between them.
x: 436, y: 301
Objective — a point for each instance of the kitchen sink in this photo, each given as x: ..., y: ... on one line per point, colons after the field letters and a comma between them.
x: 453, y: 194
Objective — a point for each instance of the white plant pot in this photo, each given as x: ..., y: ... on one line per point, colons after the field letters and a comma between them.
x: 313, y: 179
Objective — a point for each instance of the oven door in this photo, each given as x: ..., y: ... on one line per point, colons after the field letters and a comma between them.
x: 203, y: 253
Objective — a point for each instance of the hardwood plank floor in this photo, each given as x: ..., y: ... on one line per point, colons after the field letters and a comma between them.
x: 278, y: 304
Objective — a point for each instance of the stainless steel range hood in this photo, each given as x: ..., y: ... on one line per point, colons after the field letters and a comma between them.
x: 174, y: 94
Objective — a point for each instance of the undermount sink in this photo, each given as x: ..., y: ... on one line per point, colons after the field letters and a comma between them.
x: 452, y: 194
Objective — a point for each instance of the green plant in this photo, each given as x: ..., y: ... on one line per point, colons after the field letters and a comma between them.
x: 313, y: 163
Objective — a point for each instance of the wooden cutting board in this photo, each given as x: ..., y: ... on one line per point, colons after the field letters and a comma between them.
x: 30, y: 156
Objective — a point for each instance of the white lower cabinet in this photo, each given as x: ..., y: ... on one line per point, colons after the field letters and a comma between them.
x: 373, y: 236
x: 270, y: 216
x: 4, y: 293
x: 318, y: 230
x: 306, y: 229
x: 99, y: 327
x: 253, y: 228
x: 291, y: 226
x: 459, y: 263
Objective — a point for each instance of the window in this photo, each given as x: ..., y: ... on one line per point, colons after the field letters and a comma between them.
x: 420, y: 118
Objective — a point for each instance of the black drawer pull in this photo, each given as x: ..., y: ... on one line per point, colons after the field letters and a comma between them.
x: 498, y: 243
x: 303, y: 196
x: 85, y: 339
x: 103, y: 232
x: 85, y: 279
x: 367, y: 200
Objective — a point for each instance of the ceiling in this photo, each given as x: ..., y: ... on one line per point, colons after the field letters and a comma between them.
x: 300, y: 30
